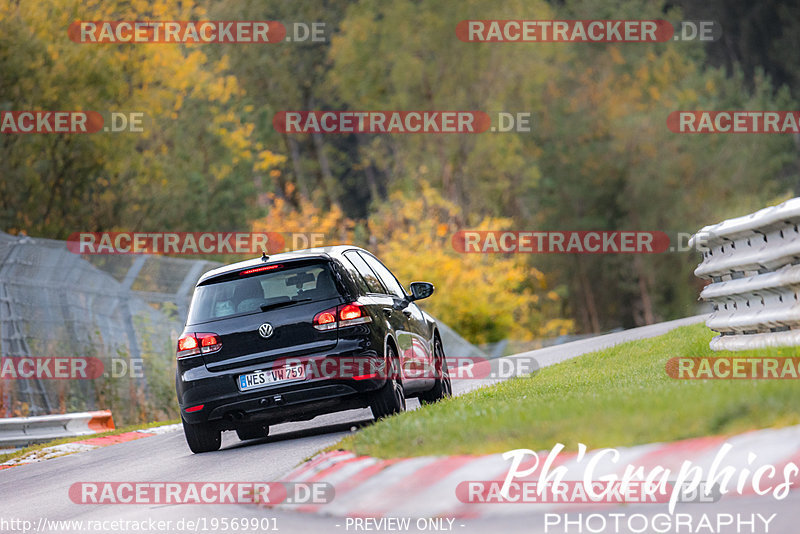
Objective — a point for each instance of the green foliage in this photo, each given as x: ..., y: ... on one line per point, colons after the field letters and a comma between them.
x: 489, y: 297
x: 599, y: 156
x: 405, y: 55
x: 189, y: 170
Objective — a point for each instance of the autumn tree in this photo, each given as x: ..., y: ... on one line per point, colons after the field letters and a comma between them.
x: 485, y: 297
x: 192, y: 168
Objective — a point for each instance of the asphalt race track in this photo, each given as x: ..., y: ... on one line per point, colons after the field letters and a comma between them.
x: 39, y: 492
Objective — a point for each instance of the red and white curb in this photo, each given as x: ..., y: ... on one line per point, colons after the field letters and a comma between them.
x: 426, y: 486
x: 83, y: 445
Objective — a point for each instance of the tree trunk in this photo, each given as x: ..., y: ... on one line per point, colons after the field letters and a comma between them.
x: 328, y: 182
x: 294, y: 152
x: 588, y: 294
x: 644, y: 292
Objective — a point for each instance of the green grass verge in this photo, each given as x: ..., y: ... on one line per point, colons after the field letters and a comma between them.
x: 616, y: 397
x: 39, y: 446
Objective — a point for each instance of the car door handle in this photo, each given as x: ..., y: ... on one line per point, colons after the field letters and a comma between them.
x: 387, y: 312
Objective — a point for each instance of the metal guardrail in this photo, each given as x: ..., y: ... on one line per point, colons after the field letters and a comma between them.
x: 753, y: 263
x: 23, y: 431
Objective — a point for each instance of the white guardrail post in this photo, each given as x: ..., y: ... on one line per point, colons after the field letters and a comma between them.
x: 753, y: 263
x: 23, y: 431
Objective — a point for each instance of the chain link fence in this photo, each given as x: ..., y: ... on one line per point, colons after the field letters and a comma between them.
x: 125, y: 310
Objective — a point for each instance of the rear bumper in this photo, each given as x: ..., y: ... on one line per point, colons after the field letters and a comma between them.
x: 224, y: 405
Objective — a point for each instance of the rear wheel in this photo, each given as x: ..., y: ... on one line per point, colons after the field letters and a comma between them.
x: 443, y: 387
x: 389, y: 399
x: 202, y: 437
x: 252, y: 431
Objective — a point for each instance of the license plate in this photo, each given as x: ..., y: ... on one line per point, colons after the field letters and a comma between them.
x: 264, y: 378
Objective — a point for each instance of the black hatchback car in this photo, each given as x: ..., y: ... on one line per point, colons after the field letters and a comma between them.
x: 299, y: 334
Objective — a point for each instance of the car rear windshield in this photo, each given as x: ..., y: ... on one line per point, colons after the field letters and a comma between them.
x: 252, y: 294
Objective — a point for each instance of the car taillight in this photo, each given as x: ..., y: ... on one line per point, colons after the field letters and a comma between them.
x: 260, y: 269
x: 202, y: 343
x: 348, y: 312
x: 344, y: 315
x: 353, y: 313
x: 325, y: 320
x: 209, y: 343
x: 187, y: 346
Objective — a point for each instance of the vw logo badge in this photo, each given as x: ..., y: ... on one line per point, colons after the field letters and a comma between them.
x: 265, y: 330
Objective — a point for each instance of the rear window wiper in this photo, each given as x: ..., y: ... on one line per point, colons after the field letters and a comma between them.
x: 274, y: 305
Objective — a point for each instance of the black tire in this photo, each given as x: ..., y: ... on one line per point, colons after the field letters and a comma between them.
x: 390, y: 398
x: 202, y: 437
x: 443, y: 388
x: 252, y: 431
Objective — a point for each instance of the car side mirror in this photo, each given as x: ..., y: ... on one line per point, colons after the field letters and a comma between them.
x: 421, y: 290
